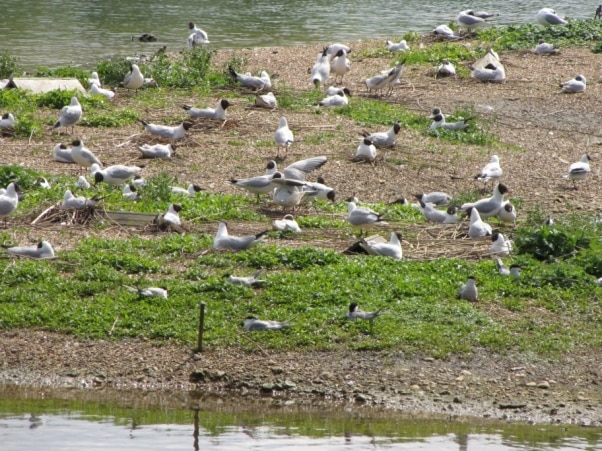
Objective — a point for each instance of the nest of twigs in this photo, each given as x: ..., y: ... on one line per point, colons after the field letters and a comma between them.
x: 57, y: 214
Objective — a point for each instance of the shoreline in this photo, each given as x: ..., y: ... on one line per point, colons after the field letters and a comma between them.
x: 480, y: 385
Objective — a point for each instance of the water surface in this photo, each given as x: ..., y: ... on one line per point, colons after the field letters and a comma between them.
x: 56, y: 33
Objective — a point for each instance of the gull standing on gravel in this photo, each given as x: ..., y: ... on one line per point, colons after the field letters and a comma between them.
x: 574, y: 85
x: 321, y: 70
x: 249, y: 81
x: 114, y: 175
x: 218, y: 113
x: 299, y: 169
x: 196, y: 36
x: 366, y: 151
x: 191, y: 190
x: 363, y: 217
x: 354, y: 313
x: 337, y: 99
x: 500, y: 245
x: 171, y: 217
x: 223, y: 240
x: 391, y: 249
x: 490, y: 72
x: 491, y: 171
x: 42, y: 250
x: 286, y: 223
x: 254, y: 324
x: 71, y: 202
x: 166, y: 131
x: 477, y: 228
x: 251, y: 281
x: 547, y: 16
x: 157, y: 150
x: 383, y: 139
x: 267, y: 100
x: 62, y: 154
x: 543, y: 48
x: 579, y: 170
x: 283, y: 136
x: 400, y: 46
x: 70, y: 115
x: 507, y: 213
x: 133, y: 79
x: 469, y: 291
x: 9, y: 200
x: 340, y: 65
x: 489, y: 206
x: 82, y: 155
x: 106, y: 93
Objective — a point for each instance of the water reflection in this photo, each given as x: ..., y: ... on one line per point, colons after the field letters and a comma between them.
x: 112, y: 420
x: 63, y: 32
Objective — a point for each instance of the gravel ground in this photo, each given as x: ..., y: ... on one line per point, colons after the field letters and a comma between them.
x: 542, y: 131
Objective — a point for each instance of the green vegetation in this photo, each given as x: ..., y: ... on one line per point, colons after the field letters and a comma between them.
x: 9, y: 64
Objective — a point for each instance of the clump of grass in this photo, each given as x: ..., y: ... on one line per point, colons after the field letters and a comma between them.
x: 437, y: 52
x: 9, y: 64
x: 117, y: 118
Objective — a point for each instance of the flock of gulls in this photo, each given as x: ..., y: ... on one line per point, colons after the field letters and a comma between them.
x: 288, y: 186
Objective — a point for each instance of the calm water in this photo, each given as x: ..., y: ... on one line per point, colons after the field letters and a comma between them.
x: 72, y: 32
x: 34, y: 419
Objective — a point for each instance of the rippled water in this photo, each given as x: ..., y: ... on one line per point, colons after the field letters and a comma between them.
x: 70, y: 32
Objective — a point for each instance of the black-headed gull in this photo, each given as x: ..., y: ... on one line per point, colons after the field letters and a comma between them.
x: 340, y: 65
x: 150, y: 292
x: 544, y: 48
x: 491, y: 171
x: 507, y: 213
x: 250, y: 281
x: 446, y: 69
x: 196, y: 36
x: 440, y: 122
x: 157, y: 150
x: 383, y: 139
x: 579, y: 170
x: 547, y: 16
x: 72, y: 202
x: 253, y: 324
x: 9, y: 200
x: 380, y: 81
x: 489, y: 206
x: 366, y: 151
x: 41, y: 181
x: 400, y: 46
x: 129, y: 192
x: 391, y: 249
x: 288, y: 193
x: 337, y: 99
x: 261, y: 184
x: 263, y: 82
x: 477, y: 228
x: 299, y: 169
x: 170, y: 218
x: 7, y: 120
x: 218, y: 113
x: 468, y: 20
x: 267, y: 100
x: 499, y: 244
x: 363, y: 217
x: 114, y: 175
x: 513, y: 271
x: 133, y: 79
x: 434, y: 215
x: 323, y: 191
x: 320, y: 72
x: 354, y: 313
x: 62, y: 154
x: 577, y: 84
x: 166, y: 131
x: 82, y: 155
x: 42, y: 250
x: 82, y: 183
x: 283, y: 137
x: 97, y: 90
x: 434, y: 197
x: 94, y: 80
x: 491, y: 72
x: 191, y: 190
x: 333, y: 49
x: 70, y: 114
x: 469, y: 291
x: 287, y: 222
x: 445, y: 32
x: 223, y: 240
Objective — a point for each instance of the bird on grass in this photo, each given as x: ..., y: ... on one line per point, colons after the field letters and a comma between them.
x: 250, y: 281
x: 97, y: 90
x: 150, y: 292
x: 469, y: 291
x: 267, y: 100
x: 287, y: 223
x: 489, y: 206
x: 9, y: 200
x: 261, y: 83
x: 339, y: 98
x: 253, y: 324
x: 391, y: 249
x: 70, y: 115
x: 440, y: 122
x: 130, y: 192
x: 191, y: 190
x: 261, y: 184
x: 363, y: 217
x: 223, y: 240
x: 400, y: 46
x: 299, y: 169
x: 354, y: 313
x: 218, y: 113
x: 477, y: 228
x: 133, y: 79
x: 114, y: 175
x: 507, y: 213
x: 499, y: 244
x: 490, y: 72
x: 513, y: 271
x: 171, y: 217
x: 42, y: 250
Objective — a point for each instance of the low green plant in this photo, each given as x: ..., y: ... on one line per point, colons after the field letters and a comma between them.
x: 9, y: 64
